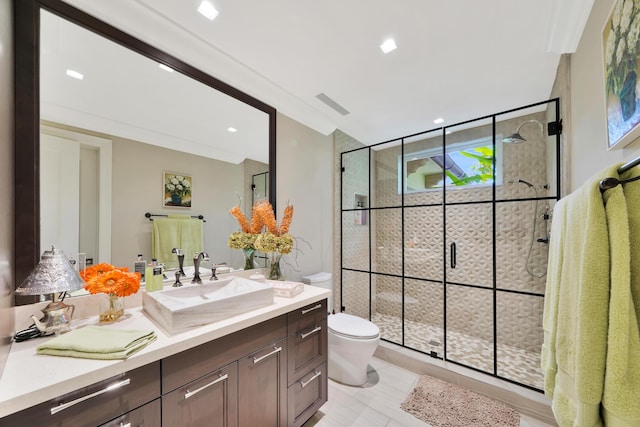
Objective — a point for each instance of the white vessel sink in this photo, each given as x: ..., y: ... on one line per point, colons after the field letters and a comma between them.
x: 177, y: 309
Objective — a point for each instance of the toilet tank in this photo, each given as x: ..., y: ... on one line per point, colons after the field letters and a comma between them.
x: 321, y: 280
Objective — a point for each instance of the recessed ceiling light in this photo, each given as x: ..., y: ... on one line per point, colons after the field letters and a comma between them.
x: 438, y: 120
x: 166, y: 68
x: 75, y: 74
x: 388, y: 46
x: 232, y: 130
x: 207, y: 10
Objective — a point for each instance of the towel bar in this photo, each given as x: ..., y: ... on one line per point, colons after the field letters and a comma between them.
x: 611, y: 182
x: 149, y: 215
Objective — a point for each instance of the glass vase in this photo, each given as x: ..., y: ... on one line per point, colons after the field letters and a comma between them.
x: 275, y: 272
x: 248, y: 258
x: 111, y: 308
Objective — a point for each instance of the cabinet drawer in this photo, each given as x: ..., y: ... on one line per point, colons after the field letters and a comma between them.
x: 305, y: 317
x: 192, y: 364
x: 146, y: 416
x: 307, y: 348
x: 95, y: 404
x: 307, y: 395
x: 209, y: 401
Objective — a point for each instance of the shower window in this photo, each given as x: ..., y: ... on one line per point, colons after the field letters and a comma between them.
x: 466, y: 164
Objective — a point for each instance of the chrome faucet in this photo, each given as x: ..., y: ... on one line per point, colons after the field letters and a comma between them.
x: 196, y: 265
x: 180, y: 254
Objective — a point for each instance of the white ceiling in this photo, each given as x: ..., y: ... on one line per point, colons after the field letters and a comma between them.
x: 457, y: 59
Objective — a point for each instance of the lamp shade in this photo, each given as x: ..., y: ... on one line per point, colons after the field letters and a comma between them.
x: 54, y: 273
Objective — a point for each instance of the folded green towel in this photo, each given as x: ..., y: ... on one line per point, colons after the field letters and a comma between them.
x: 95, y: 342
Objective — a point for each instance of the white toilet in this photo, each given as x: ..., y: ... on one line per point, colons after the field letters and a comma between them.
x: 352, y: 340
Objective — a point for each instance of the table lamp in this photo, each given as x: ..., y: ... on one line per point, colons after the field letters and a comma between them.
x: 53, y: 274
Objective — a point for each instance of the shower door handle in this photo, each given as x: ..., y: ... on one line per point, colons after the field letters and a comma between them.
x: 452, y: 254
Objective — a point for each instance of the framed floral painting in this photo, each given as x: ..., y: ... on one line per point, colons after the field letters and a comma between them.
x: 621, y: 51
x: 177, y: 190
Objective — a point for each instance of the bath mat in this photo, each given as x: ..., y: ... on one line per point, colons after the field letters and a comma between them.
x: 442, y: 404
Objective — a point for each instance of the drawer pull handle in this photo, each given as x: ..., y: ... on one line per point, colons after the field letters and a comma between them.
x: 188, y: 394
x: 317, y: 306
x: 69, y: 404
x: 259, y: 359
x: 125, y: 425
x: 306, y: 383
x: 316, y: 329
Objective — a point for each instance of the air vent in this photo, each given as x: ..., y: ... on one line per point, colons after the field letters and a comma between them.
x: 333, y: 104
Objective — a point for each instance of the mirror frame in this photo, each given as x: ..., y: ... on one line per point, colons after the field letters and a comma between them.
x: 26, y: 43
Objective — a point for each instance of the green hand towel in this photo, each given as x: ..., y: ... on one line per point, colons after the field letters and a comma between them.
x: 95, y: 342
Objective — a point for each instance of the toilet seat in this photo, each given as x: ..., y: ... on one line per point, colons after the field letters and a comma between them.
x: 353, y: 327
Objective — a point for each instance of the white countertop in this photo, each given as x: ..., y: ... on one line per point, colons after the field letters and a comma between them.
x: 29, y: 379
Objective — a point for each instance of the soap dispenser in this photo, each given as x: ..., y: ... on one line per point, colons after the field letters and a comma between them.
x: 140, y: 266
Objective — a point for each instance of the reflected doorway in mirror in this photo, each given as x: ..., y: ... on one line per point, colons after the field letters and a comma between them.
x: 177, y: 189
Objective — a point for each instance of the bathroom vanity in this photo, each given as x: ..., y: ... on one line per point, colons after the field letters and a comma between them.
x: 265, y: 367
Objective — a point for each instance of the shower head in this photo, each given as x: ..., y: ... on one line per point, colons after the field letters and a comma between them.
x: 516, y: 138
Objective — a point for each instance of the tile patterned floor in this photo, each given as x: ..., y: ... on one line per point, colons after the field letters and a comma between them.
x: 513, y: 363
x: 377, y: 403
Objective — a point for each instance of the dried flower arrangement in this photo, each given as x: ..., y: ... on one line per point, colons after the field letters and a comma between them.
x: 275, y: 240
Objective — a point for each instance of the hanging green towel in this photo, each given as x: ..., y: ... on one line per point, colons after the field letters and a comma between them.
x: 190, y: 238
x: 165, y: 235
x: 95, y: 342
x: 622, y: 375
x: 176, y: 231
x: 576, y: 308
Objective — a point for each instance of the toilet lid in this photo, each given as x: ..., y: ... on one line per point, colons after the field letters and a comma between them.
x: 352, y: 326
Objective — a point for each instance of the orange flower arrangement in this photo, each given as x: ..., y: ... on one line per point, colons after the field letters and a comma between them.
x: 105, y: 278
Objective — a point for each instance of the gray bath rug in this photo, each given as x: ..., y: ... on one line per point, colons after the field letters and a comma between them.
x: 442, y: 404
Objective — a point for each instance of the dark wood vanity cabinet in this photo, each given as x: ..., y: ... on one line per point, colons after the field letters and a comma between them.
x: 281, y: 374
x: 253, y: 391
x: 98, y: 404
x: 270, y: 374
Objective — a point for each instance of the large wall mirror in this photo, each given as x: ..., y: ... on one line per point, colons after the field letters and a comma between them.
x: 131, y: 112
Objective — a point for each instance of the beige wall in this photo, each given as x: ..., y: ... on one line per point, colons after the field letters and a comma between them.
x: 6, y: 176
x: 304, y: 174
x: 588, y: 128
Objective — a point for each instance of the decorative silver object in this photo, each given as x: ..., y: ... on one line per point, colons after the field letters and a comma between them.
x: 53, y: 274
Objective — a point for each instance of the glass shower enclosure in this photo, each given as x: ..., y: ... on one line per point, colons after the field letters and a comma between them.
x: 445, y: 236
